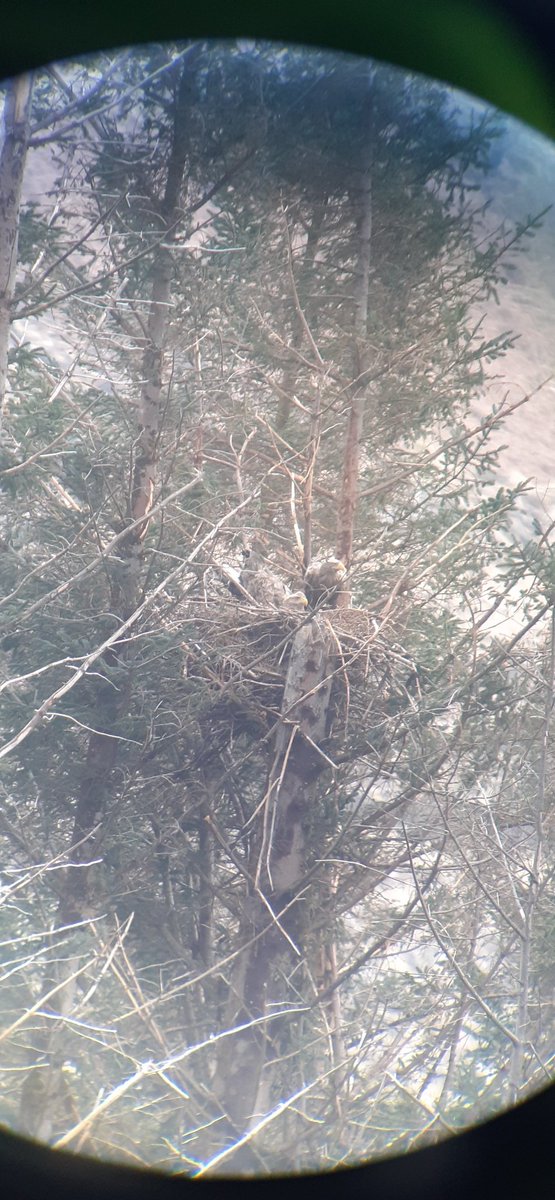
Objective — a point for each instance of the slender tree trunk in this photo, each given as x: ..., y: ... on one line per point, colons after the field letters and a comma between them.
x: 13, y: 155
x: 78, y: 902
x: 274, y: 927
x: 206, y: 888
x: 274, y: 496
x: 355, y: 423
x: 102, y: 748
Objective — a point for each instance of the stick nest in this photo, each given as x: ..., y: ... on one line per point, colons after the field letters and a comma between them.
x: 243, y: 651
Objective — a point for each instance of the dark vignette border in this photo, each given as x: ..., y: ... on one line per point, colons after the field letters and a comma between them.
x: 503, y: 51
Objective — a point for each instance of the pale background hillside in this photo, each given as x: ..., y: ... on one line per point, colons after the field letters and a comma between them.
x: 524, y: 183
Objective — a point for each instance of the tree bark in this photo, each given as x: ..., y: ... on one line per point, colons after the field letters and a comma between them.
x: 351, y: 454
x: 274, y: 496
x: 78, y: 901
x: 101, y: 754
x: 273, y: 926
x: 12, y: 166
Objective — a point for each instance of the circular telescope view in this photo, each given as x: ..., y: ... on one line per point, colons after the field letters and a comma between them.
x: 277, y: 609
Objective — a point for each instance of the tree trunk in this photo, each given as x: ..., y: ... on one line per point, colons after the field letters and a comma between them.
x: 349, y: 481
x: 12, y: 166
x: 274, y: 496
x: 273, y: 927
x: 78, y: 901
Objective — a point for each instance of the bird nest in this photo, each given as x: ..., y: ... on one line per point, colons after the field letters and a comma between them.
x: 236, y: 659
x: 239, y: 639
x: 230, y: 639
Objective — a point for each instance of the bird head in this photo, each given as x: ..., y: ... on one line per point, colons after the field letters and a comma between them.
x: 296, y: 602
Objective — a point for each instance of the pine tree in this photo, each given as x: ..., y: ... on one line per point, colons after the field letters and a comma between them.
x: 232, y: 820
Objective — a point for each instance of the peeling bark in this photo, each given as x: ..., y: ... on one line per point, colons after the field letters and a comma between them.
x: 298, y: 760
x: 279, y: 866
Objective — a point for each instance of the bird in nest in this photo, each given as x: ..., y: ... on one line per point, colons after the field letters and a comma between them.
x: 265, y: 587
x: 295, y: 602
x: 323, y: 581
